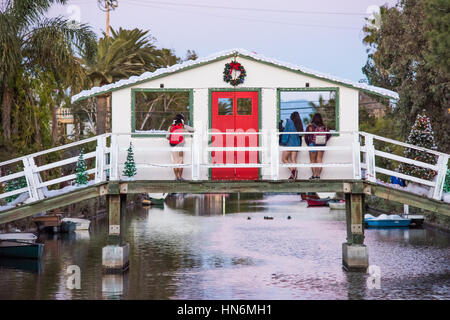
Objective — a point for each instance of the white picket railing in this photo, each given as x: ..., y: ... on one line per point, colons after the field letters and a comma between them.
x: 201, y: 147
x: 369, y: 164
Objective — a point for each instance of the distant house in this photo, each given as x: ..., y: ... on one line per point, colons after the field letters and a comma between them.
x: 374, y: 107
x: 147, y: 104
x: 66, y: 122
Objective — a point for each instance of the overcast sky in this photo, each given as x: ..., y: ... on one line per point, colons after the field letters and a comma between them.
x: 324, y: 35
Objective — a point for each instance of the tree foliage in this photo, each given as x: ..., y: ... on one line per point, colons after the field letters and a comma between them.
x: 408, y: 53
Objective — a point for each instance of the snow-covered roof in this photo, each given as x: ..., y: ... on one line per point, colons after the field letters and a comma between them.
x: 224, y: 54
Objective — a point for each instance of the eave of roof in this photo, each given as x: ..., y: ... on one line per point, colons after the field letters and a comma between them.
x: 146, y: 76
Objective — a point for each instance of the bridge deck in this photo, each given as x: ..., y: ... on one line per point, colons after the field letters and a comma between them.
x: 166, y: 186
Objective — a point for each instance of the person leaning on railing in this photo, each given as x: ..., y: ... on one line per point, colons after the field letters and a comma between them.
x: 316, y: 140
x: 294, y: 124
x: 177, y: 140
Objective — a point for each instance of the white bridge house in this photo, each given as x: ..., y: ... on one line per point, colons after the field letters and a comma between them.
x: 266, y: 82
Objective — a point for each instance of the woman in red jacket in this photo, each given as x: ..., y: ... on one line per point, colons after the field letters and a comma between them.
x: 316, y: 140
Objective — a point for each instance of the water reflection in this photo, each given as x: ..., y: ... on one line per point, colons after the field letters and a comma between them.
x: 114, y: 285
x: 188, y: 249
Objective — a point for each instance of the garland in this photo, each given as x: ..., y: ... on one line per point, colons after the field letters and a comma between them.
x: 227, y: 73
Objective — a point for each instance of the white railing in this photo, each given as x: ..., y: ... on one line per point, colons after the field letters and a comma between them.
x: 36, y: 188
x: 201, y: 147
x: 371, y: 169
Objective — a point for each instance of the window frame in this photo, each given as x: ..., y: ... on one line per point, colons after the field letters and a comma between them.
x: 310, y: 89
x: 157, y: 90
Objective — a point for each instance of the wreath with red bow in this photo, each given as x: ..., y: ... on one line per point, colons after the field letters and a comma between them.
x: 228, y: 71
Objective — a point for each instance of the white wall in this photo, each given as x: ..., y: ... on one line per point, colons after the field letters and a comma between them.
x: 259, y: 75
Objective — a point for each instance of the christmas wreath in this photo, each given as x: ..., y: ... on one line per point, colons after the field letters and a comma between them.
x: 228, y: 73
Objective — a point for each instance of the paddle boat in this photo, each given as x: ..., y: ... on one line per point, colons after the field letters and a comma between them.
x: 337, y: 204
x: 81, y: 224
x: 386, y: 221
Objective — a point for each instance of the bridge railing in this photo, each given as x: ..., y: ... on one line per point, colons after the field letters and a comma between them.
x: 37, y: 189
x: 109, y: 148
x: 371, y: 168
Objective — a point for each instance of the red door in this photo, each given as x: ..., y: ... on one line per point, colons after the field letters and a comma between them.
x: 235, y: 112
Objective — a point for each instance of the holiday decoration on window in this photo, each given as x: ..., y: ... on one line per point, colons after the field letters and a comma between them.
x: 234, y: 73
x: 130, y: 166
x: 81, y: 170
x: 421, y: 135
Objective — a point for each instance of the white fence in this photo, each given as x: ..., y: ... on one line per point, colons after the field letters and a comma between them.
x: 107, y: 167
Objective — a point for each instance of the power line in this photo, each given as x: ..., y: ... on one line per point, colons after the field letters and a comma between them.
x: 253, y: 9
x: 247, y: 19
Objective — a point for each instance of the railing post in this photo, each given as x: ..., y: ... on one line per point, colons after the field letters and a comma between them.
x: 370, y: 159
x: 442, y: 165
x: 264, y: 144
x: 33, y: 179
x: 114, y: 155
x: 100, y: 159
x: 275, y: 155
x: 195, y: 152
x: 356, y: 153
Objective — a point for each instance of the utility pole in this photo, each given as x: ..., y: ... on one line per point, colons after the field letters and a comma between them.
x: 106, y: 6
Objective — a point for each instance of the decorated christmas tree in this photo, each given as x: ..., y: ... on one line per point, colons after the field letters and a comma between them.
x: 447, y: 182
x: 421, y: 135
x: 130, y: 166
x: 82, y: 176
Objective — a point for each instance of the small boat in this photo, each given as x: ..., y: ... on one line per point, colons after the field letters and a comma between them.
x: 337, y: 205
x: 309, y: 195
x: 386, y: 221
x: 29, y: 237
x: 154, y: 199
x: 19, y: 249
x: 67, y: 227
x: 324, y: 195
x: 49, y: 222
x: 54, y: 223
x: 81, y: 224
x: 28, y: 265
x: 416, y: 220
x: 317, y: 202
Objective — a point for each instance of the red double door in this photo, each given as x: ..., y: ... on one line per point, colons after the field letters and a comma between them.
x: 235, y: 112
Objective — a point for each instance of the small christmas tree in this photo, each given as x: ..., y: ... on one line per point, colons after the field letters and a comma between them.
x: 130, y: 166
x: 447, y: 182
x: 82, y: 176
x: 421, y: 135
x: 13, y: 185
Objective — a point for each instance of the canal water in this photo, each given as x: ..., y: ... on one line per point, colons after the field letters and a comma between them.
x: 221, y: 247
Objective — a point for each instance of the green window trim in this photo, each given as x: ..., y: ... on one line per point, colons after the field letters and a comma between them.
x: 310, y: 89
x: 133, y: 108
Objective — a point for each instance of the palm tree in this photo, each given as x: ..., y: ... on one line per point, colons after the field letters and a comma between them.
x: 32, y: 45
x: 327, y: 108
x: 124, y: 54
